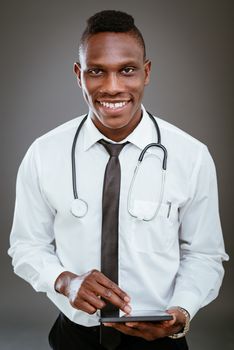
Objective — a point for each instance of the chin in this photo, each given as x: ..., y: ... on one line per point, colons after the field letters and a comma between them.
x: 115, y: 124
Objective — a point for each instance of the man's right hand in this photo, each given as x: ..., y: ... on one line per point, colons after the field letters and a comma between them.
x: 86, y: 292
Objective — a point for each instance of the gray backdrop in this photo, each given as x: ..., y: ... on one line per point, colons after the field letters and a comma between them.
x: 190, y: 45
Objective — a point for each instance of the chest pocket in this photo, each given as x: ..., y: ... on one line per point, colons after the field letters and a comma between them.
x: 158, y: 234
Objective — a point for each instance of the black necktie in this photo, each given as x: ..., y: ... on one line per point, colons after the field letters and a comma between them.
x: 110, y: 228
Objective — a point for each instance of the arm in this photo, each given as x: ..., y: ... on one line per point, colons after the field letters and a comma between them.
x: 32, y: 234
x: 201, y: 243
x: 33, y: 252
x: 200, y: 272
x: 31, y: 241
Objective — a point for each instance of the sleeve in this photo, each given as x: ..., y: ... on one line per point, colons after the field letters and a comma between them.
x: 32, y: 235
x: 202, y: 251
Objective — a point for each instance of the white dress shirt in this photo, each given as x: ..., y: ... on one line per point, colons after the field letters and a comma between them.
x: 174, y: 259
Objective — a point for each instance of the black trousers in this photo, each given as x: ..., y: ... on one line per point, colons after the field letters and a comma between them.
x: 67, y: 335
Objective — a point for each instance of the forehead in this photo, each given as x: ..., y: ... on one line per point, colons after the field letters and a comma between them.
x: 112, y: 48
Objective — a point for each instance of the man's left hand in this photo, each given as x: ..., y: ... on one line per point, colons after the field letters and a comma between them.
x: 151, y: 331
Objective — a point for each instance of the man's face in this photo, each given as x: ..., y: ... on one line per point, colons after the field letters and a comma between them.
x: 112, y: 75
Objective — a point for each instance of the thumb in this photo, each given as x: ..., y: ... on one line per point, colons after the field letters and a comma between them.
x: 170, y: 323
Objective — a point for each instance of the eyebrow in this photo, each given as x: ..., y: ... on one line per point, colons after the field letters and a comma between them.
x: 120, y: 64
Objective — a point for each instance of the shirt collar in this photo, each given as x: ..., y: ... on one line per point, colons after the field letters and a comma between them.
x: 141, y: 136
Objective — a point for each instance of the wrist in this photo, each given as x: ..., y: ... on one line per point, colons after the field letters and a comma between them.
x: 63, y: 281
x: 183, y: 322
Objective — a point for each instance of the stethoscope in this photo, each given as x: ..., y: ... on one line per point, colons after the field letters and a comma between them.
x: 79, y: 207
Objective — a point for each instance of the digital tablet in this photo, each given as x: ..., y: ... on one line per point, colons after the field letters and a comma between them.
x: 139, y: 316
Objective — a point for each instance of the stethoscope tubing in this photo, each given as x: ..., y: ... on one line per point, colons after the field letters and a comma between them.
x: 80, y: 207
x: 73, y: 157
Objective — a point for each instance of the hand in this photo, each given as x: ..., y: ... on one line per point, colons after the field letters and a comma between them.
x: 85, y: 291
x: 152, y: 330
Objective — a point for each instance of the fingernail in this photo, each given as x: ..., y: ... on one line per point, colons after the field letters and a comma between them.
x: 129, y: 324
x: 127, y: 309
x: 127, y: 299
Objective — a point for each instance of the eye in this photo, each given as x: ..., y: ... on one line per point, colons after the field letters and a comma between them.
x: 95, y: 71
x: 128, y: 70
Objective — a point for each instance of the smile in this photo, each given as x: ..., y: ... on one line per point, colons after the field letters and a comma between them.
x: 112, y: 105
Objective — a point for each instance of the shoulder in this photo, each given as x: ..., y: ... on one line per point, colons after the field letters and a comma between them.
x: 181, y: 144
x: 184, y: 150
x: 58, y: 138
x: 174, y: 134
x: 61, y: 131
x: 55, y: 142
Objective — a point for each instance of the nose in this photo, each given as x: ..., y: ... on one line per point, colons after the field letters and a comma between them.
x: 112, y: 85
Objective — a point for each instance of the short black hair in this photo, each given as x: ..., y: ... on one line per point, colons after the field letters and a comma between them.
x: 112, y: 21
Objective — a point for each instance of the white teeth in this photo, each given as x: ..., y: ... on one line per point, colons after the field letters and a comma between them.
x: 114, y: 105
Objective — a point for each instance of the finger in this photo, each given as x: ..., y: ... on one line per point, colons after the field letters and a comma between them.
x: 95, y: 280
x: 109, y: 285
x: 141, y: 325
x: 126, y: 330
x: 146, y: 330
x: 110, y: 296
x: 132, y: 324
x: 170, y: 323
x: 149, y: 330
x: 84, y: 306
x: 91, y: 298
x: 102, y: 286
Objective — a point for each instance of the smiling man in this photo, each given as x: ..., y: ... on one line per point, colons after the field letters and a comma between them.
x: 126, y: 240
x: 112, y: 73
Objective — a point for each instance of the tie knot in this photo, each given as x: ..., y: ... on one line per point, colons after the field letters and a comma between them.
x: 113, y: 149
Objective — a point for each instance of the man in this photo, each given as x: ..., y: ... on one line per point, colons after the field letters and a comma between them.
x: 169, y: 241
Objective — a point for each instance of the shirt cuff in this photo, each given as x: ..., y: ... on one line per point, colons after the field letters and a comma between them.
x: 187, y: 300
x: 48, y: 277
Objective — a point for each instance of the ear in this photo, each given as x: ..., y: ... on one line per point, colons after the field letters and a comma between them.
x: 147, y: 68
x: 77, y: 71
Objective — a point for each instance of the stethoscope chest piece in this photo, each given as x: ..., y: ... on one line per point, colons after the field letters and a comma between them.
x: 79, y: 208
